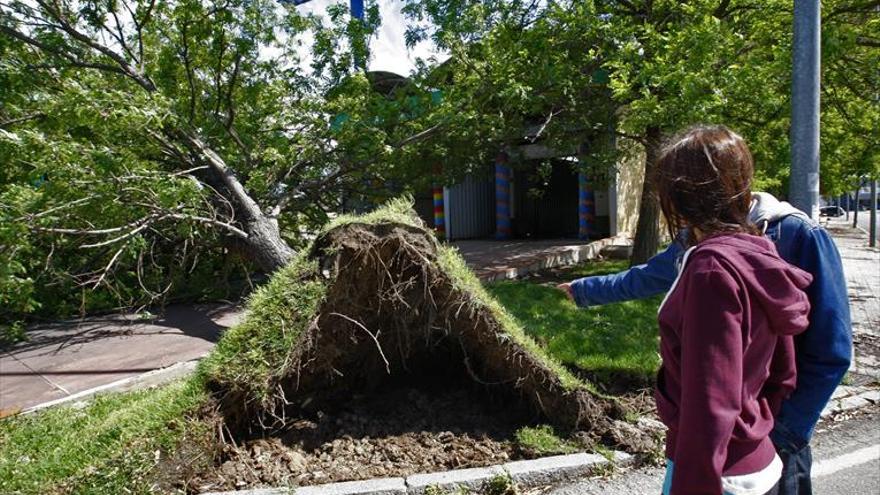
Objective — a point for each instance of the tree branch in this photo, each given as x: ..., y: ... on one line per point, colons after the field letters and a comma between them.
x: 216, y: 164
x: 71, y: 59
x: 865, y: 41
x: 419, y: 136
x: 64, y: 206
x: 107, y: 268
x: 210, y: 221
x: 68, y: 28
x: 853, y: 8
x: 19, y: 120
x: 638, y: 139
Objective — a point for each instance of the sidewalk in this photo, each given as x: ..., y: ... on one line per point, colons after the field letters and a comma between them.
x: 861, y: 264
x: 66, y: 358
x: 498, y: 260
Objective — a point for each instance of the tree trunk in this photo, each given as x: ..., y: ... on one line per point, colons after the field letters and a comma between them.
x: 856, y: 211
x: 647, y: 239
x: 264, y: 243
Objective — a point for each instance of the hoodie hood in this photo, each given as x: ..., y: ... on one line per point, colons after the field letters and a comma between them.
x: 766, y: 208
x: 774, y: 285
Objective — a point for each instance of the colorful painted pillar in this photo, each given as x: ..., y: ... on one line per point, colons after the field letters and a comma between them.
x: 586, y: 207
x: 503, y: 228
x: 439, y: 217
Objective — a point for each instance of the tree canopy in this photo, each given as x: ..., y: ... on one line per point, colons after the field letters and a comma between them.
x: 139, y: 138
x: 650, y: 68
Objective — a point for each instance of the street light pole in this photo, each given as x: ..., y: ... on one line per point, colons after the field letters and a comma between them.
x: 872, y: 228
x: 804, y: 179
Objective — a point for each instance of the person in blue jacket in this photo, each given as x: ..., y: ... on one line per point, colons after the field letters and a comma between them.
x: 823, y: 351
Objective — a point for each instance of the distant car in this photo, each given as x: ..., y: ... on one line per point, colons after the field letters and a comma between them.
x: 831, y: 211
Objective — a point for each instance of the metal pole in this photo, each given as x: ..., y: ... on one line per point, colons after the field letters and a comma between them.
x: 357, y: 9
x: 804, y: 179
x: 873, y: 218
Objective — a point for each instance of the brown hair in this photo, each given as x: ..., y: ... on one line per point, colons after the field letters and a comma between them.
x: 703, y: 179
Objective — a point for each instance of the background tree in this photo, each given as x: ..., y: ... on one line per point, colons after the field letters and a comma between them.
x: 670, y: 64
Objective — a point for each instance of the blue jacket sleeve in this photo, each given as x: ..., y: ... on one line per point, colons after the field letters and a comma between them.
x: 824, y: 350
x: 641, y: 281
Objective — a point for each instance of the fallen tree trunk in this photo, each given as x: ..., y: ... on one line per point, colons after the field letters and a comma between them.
x: 264, y: 244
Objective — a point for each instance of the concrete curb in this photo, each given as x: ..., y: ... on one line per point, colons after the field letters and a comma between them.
x: 450, y: 481
x: 526, y: 474
x: 846, y: 402
x: 150, y: 379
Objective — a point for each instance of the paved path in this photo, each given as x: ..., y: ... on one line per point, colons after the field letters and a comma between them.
x: 65, y: 358
x: 494, y: 260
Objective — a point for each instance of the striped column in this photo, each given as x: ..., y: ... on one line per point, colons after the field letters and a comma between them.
x: 586, y: 208
x: 439, y: 217
x: 502, y: 197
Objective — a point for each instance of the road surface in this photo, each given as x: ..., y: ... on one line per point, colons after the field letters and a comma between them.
x: 846, y: 461
x: 864, y: 220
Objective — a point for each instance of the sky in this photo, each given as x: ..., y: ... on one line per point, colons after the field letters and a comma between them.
x: 388, y: 48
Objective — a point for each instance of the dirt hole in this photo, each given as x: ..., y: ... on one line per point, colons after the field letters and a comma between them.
x: 402, y: 370
x: 432, y: 418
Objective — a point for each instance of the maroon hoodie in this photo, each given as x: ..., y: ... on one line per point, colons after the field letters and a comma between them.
x: 726, y: 331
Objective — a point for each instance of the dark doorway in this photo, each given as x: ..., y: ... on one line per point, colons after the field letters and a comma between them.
x: 546, y: 204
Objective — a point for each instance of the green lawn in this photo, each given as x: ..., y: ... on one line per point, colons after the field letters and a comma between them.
x: 606, y: 342
x: 108, y: 447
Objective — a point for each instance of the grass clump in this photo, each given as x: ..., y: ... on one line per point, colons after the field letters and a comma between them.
x: 607, y: 341
x: 112, y: 445
x: 500, y: 485
x: 398, y: 210
x: 12, y: 333
x: 542, y: 440
x: 463, y: 278
x: 251, y: 355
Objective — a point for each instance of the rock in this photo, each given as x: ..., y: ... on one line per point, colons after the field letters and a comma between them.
x: 296, y: 462
x: 632, y: 438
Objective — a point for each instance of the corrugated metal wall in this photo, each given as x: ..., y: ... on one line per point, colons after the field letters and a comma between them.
x: 470, y: 208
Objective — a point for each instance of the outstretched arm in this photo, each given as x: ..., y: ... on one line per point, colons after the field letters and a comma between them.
x: 652, y: 278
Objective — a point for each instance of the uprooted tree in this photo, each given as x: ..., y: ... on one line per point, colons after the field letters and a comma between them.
x: 373, y: 298
x: 138, y: 138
